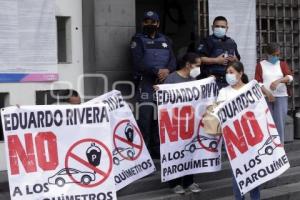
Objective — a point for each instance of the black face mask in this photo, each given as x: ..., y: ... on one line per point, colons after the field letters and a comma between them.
x: 150, y: 29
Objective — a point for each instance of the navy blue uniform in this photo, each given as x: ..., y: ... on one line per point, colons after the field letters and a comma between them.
x: 148, y: 56
x: 213, y: 47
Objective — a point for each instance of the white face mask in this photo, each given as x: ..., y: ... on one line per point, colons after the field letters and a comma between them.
x: 231, y: 79
x: 195, y: 72
x: 220, y: 32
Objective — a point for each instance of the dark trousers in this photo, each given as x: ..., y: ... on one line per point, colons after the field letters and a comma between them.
x: 148, y: 125
x: 254, y: 193
x: 184, y: 181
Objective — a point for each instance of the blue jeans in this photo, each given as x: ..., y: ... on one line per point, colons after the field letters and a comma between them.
x: 279, y: 109
x: 254, y: 194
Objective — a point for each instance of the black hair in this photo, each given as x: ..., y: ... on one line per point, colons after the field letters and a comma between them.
x: 272, y: 48
x: 189, y: 57
x: 239, y: 67
x: 220, y: 18
x: 65, y: 95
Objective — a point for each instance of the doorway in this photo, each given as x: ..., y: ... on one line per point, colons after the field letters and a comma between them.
x: 178, y: 20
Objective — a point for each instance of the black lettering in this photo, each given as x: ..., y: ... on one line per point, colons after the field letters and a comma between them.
x: 6, y: 118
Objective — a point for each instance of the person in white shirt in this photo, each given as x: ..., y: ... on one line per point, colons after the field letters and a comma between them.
x: 236, y: 78
x: 274, y: 74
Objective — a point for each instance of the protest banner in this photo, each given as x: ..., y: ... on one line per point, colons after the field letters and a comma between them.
x: 184, y: 146
x: 131, y: 158
x: 59, y: 152
x: 251, y: 138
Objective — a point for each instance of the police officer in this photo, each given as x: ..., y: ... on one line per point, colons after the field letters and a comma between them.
x: 153, y: 60
x: 216, y: 51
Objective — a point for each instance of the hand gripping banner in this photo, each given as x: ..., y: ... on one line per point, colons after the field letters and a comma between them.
x: 184, y: 146
x: 252, y: 142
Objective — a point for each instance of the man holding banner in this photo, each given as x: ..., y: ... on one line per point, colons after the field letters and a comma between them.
x: 184, y: 146
x: 189, y: 69
x: 251, y: 139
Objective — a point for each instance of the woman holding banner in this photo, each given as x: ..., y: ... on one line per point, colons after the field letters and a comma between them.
x: 274, y: 75
x: 188, y: 70
x: 236, y: 78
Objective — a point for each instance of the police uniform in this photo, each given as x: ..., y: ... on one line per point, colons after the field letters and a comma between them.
x: 213, y: 47
x: 148, y: 56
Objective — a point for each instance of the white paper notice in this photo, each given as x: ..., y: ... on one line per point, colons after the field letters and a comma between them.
x: 28, y: 49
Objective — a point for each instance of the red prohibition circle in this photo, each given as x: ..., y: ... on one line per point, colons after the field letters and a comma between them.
x: 269, y: 125
x: 199, y: 140
x: 87, y: 164
x: 116, y: 137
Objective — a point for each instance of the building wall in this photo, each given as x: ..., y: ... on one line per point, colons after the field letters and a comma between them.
x: 69, y: 74
x: 107, y: 33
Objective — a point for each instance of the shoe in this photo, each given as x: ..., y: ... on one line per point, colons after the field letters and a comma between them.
x: 194, y: 188
x: 178, y: 189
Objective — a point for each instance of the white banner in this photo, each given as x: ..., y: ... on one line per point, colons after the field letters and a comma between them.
x: 251, y: 138
x: 59, y: 152
x: 28, y: 43
x: 184, y: 146
x: 131, y: 158
x: 241, y: 16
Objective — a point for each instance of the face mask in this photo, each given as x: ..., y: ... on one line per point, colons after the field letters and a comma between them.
x: 219, y: 32
x: 195, y: 72
x: 149, y: 29
x: 273, y: 59
x: 231, y: 79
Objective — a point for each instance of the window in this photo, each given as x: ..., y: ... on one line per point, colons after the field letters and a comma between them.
x: 278, y: 22
x: 3, y: 103
x: 64, y: 50
x: 49, y: 97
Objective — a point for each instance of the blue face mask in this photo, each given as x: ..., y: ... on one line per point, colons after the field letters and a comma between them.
x: 219, y: 32
x: 231, y: 79
x: 273, y: 59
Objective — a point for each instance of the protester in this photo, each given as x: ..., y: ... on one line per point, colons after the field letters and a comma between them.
x: 274, y: 74
x: 68, y: 97
x: 188, y: 70
x: 236, y: 78
x: 216, y: 51
x: 153, y: 60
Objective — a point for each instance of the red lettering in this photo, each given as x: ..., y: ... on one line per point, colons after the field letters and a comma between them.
x: 26, y: 156
x: 237, y: 139
x: 257, y: 135
x: 167, y: 126
x: 242, y: 138
x: 187, y: 115
x: 182, y: 124
x: 40, y: 140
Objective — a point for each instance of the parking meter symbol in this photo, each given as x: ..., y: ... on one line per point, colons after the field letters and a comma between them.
x: 93, y: 154
x: 129, y: 132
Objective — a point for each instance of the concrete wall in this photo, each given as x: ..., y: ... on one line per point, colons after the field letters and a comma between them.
x: 107, y: 33
x: 69, y: 74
